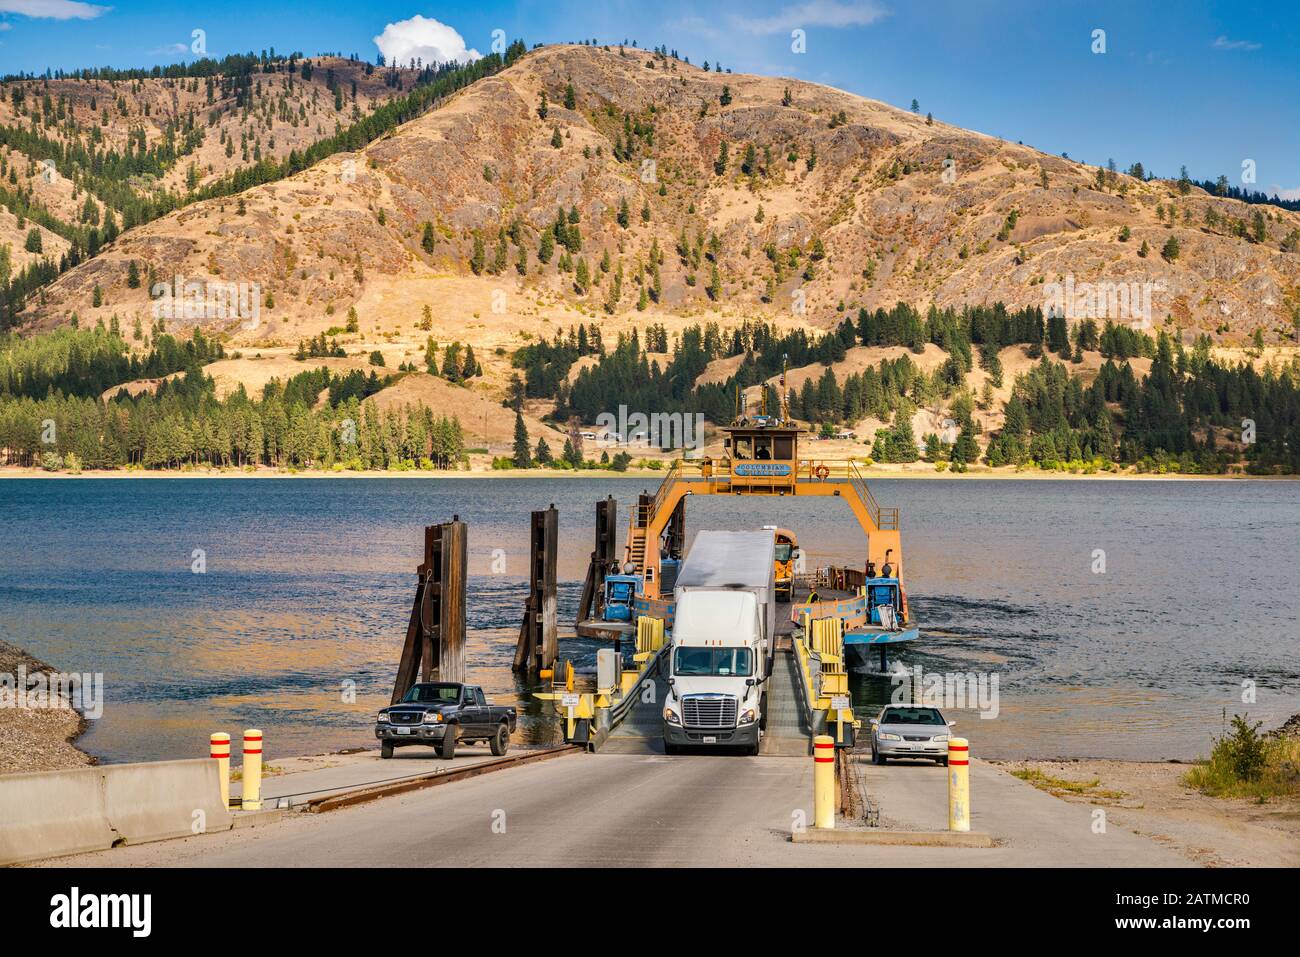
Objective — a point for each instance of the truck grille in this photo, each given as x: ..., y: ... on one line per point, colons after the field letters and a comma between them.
x: 709, y: 711
x: 405, y: 717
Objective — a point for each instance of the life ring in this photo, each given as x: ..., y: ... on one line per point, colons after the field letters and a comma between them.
x: 822, y: 472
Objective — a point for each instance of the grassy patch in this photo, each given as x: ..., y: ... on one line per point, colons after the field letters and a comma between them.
x: 1244, y: 764
x: 1062, y: 786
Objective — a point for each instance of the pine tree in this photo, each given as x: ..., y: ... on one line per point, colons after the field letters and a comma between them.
x: 426, y: 240
x: 543, y: 453
x: 523, y: 454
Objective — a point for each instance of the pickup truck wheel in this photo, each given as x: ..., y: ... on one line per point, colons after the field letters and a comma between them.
x: 501, y: 740
x: 386, y: 750
x: 447, y: 746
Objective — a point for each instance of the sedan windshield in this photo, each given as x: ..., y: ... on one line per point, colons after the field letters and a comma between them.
x: 713, y: 661
x: 432, y: 694
x: 912, y: 716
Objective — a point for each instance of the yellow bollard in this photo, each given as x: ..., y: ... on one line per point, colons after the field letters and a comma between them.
x: 252, y: 770
x: 958, y: 784
x: 219, y: 748
x: 824, y: 782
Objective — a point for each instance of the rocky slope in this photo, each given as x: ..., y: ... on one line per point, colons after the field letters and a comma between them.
x: 842, y: 202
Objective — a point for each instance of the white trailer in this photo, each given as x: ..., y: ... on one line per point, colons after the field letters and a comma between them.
x: 723, y: 639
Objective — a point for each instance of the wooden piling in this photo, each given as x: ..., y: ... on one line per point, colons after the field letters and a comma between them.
x: 435, y: 635
x: 538, y: 645
x: 592, y: 602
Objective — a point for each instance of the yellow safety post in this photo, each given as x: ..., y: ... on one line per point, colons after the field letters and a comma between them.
x: 958, y: 784
x: 252, y: 770
x: 824, y: 782
x: 219, y: 750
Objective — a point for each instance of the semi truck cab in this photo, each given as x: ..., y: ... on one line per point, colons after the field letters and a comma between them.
x: 721, y: 651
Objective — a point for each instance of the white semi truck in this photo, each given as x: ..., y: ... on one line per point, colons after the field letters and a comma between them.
x: 723, y: 640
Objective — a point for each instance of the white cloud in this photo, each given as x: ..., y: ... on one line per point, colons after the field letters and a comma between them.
x: 815, y: 13
x: 5, y: 26
x: 1223, y: 43
x: 54, y: 9
x: 1292, y: 193
x: 424, y: 39
x: 171, y: 49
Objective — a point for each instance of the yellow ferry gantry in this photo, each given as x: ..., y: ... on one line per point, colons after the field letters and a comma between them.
x: 761, y: 456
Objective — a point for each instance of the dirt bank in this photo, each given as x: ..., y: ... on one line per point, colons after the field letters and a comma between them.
x: 1150, y: 799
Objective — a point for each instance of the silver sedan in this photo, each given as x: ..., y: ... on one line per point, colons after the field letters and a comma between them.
x: 909, y: 731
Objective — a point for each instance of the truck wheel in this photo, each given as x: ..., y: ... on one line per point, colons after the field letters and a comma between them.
x: 447, y: 746
x: 386, y: 750
x: 670, y: 748
x: 501, y: 740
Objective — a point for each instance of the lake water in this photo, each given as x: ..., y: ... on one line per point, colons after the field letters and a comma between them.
x: 308, y: 586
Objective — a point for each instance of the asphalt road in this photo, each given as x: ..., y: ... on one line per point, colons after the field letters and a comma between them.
x: 654, y: 810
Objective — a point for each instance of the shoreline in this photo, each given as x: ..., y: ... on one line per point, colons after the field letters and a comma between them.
x: 38, y: 739
x: 872, y: 472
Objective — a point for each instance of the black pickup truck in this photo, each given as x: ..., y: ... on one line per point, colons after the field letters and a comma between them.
x: 438, y: 714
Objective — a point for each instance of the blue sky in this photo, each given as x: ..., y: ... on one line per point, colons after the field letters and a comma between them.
x: 1207, y: 85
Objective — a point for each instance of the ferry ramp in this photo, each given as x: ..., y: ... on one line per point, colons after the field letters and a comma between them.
x: 641, y: 729
x: 788, y: 732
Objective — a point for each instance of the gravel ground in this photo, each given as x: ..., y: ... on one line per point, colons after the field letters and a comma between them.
x: 37, y: 739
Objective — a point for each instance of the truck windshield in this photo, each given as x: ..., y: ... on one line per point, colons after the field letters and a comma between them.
x: 713, y: 661
x: 783, y: 552
x: 432, y: 694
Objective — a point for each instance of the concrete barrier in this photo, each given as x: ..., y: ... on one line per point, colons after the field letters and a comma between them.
x: 163, y: 799
x: 56, y: 813
x: 52, y: 813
